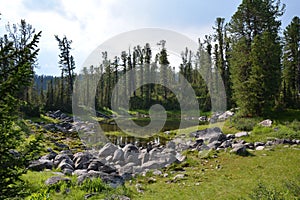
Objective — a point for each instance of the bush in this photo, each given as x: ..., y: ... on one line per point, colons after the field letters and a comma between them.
x: 245, y: 124
x: 30, y: 110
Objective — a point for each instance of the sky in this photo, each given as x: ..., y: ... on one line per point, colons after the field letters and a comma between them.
x: 89, y: 23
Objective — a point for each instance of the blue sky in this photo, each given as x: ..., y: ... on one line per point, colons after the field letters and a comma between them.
x: 89, y: 23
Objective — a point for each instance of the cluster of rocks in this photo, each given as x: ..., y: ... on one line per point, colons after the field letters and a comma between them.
x: 112, y: 164
x: 214, y: 139
x: 65, y: 122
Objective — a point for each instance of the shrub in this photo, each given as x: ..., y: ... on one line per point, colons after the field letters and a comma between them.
x: 245, y: 124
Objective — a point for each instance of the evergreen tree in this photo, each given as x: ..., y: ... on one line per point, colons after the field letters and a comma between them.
x: 67, y: 65
x: 164, y: 63
x: 15, y: 73
x: 255, y: 22
x: 291, y: 64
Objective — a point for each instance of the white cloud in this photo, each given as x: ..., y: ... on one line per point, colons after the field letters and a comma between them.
x: 87, y: 23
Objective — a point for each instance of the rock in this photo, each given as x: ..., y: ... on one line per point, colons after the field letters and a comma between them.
x: 95, y: 165
x: 249, y: 145
x: 153, y: 164
x: 214, y: 145
x: 225, y: 144
x: 230, y: 136
x: 269, y: 143
x: 81, y: 160
x: 130, y: 148
x: 203, y: 147
x: 171, y: 145
x: 118, y: 155
x: 180, y: 158
x: 211, y: 134
x: 55, y: 179
x: 64, y: 165
x: 151, y: 180
x: 259, y: 148
x: 113, y: 180
x: 128, y: 168
x: 167, y: 159
x: 239, y: 149
x: 256, y: 144
x: 241, y: 134
x: 107, y: 169
x: 133, y: 158
x: 157, y: 172
x: 144, y: 157
x: 202, y: 118
x: 40, y: 165
x: 179, y: 177
x: 68, y: 171
x: 67, y: 152
x: 107, y: 150
x: 49, y: 156
x: 80, y: 172
x: 266, y: 123
x: 225, y: 115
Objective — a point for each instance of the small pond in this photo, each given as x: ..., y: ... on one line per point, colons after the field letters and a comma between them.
x: 170, y: 124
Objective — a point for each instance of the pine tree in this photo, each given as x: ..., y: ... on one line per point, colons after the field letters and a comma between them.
x: 15, y: 73
x: 291, y: 64
x: 67, y: 65
x: 164, y: 63
x: 255, y: 22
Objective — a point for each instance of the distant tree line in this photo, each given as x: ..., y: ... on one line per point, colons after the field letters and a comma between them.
x: 259, y: 67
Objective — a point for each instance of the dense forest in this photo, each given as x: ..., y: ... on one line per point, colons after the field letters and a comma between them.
x: 257, y: 60
x: 258, y: 65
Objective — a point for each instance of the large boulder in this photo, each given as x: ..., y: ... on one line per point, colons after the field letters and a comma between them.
x: 239, y: 149
x: 81, y: 160
x: 108, y: 150
x: 130, y: 148
x: 118, y: 155
x: 128, y: 168
x: 60, y: 157
x: 113, y: 180
x: 210, y: 134
x: 241, y: 134
x: 40, y: 165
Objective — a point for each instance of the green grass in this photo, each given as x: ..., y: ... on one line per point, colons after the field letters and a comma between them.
x: 36, y: 189
x: 237, y: 176
x: 44, y: 118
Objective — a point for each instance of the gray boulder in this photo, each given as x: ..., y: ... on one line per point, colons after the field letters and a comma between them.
x: 130, y: 148
x: 81, y: 160
x: 241, y: 134
x: 113, y: 180
x: 239, y: 149
x: 128, y: 168
x: 211, y: 134
x: 40, y: 165
x: 65, y: 165
x: 257, y: 144
x: 61, y: 157
x: 108, y: 150
x: 118, y: 155
x: 80, y: 172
